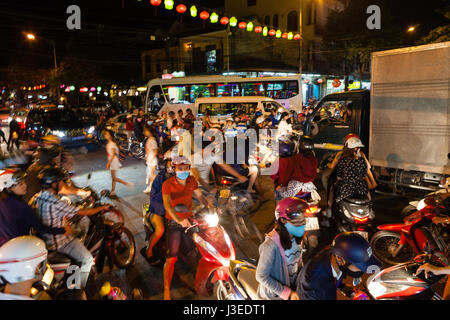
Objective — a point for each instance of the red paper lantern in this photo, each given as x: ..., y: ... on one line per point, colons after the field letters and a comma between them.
x: 258, y: 29
x: 272, y: 32
x: 204, y: 15
x: 242, y: 25
x: 224, y: 20
x: 297, y: 37
x: 155, y: 2
x: 181, y: 8
x: 284, y: 35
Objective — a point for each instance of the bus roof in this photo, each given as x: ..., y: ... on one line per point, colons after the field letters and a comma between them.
x: 218, y: 79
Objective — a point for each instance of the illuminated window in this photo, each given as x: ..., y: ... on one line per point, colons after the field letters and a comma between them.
x: 227, y: 90
x: 176, y: 94
x: 201, y: 91
x: 252, y: 89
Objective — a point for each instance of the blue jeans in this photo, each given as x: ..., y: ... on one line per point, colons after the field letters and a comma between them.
x: 78, y: 252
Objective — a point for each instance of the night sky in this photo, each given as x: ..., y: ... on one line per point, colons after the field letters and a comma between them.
x: 112, y: 38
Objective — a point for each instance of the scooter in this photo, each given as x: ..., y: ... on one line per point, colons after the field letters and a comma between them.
x: 401, y: 282
x: 354, y: 214
x: 400, y: 242
x: 213, y: 246
x: 136, y: 147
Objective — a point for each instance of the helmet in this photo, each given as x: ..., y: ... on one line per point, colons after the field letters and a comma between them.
x: 20, y: 257
x: 49, y: 175
x: 286, y: 149
x: 180, y: 160
x: 306, y: 143
x: 351, y: 135
x: 260, y: 119
x: 51, y: 138
x: 292, y: 209
x: 11, y: 177
x: 258, y: 113
x: 355, y: 250
x: 354, y: 143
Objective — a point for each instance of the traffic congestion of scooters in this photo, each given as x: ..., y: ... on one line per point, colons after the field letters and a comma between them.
x: 200, y: 211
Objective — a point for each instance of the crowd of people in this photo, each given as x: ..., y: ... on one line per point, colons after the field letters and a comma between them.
x: 29, y: 201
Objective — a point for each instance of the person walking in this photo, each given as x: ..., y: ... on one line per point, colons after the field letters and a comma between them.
x: 114, y: 164
x: 151, y: 156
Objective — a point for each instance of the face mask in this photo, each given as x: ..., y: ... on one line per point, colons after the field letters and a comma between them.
x: 347, y: 272
x: 183, y: 175
x: 296, y: 231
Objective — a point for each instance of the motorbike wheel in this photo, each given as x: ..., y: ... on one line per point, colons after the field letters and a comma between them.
x: 406, y: 211
x: 222, y: 292
x: 136, y: 151
x: 122, y: 253
x: 384, y: 243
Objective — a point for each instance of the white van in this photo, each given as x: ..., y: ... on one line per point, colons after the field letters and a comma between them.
x: 224, y: 107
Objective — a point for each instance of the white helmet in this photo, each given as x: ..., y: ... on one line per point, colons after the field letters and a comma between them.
x: 260, y: 119
x: 179, y: 160
x: 354, y: 143
x: 20, y: 257
x: 10, y: 177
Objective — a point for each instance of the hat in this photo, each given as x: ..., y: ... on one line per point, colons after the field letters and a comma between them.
x: 354, y: 143
x: 179, y: 160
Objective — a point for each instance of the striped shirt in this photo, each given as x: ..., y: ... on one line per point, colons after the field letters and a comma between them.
x: 51, y: 212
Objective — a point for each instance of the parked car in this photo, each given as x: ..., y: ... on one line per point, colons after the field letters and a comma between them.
x: 62, y: 122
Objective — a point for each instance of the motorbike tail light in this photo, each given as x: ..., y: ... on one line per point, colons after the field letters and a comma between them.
x: 225, y: 182
x: 361, y: 220
x: 311, y: 211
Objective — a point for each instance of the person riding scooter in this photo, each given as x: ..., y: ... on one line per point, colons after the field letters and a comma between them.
x: 23, y: 260
x: 297, y: 172
x: 280, y: 253
x: 178, y: 189
x: 349, y: 255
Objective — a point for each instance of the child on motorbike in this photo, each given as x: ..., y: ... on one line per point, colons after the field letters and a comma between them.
x: 280, y: 254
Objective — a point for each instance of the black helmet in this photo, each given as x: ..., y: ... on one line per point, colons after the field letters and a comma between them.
x: 355, y: 250
x: 49, y: 175
x: 306, y: 143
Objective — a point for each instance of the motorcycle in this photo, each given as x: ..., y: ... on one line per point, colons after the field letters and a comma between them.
x: 103, y: 234
x: 136, y: 147
x: 354, y: 214
x: 398, y: 243
x: 214, y: 248
x: 401, y: 282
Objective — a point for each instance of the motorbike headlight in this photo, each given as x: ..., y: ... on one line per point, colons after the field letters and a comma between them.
x: 91, y: 129
x: 212, y: 220
x: 421, y: 204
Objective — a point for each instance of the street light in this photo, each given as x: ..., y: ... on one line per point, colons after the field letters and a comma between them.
x: 411, y: 29
x: 32, y: 37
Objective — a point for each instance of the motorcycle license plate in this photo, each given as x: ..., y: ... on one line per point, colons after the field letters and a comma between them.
x: 312, y: 224
x: 224, y: 193
x: 365, y: 234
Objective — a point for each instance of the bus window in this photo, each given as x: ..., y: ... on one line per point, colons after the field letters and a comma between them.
x: 201, y: 91
x: 275, y: 90
x: 176, y: 93
x: 155, y: 99
x: 269, y: 106
x: 252, y: 88
x: 227, y: 90
x: 217, y: 109
x: 282, y: 89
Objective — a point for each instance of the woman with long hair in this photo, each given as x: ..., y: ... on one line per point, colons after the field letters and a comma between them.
x: 112, y: 151
x: 280, y: 255
x: 151, y: 156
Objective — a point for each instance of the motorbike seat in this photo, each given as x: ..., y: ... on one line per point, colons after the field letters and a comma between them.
x: 360, y: 200
x: 247, y: 277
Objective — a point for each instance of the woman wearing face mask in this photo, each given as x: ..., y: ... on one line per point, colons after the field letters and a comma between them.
x: 280, y: 253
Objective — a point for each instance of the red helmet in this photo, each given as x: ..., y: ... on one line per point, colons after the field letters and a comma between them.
x: 351, y: 135
x: 292, y: 209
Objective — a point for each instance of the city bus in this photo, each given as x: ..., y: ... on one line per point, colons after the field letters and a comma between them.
x: 180, y: 93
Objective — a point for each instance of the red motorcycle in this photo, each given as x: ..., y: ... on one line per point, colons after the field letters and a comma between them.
x: 401, y: 242
x: 215, y: 250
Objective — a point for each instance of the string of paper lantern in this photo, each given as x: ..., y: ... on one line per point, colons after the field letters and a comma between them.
x: 233, y: 21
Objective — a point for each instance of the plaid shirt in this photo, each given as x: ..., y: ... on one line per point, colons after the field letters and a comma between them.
x: 51, y: 212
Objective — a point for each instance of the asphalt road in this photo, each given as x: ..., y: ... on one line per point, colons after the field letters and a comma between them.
x: 149, y: 279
